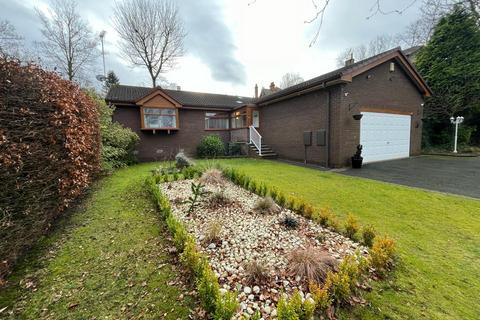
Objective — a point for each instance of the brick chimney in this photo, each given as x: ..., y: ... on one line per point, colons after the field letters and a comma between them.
x: 256, y: 91
x: 350, y: 61
x: 272, y: 86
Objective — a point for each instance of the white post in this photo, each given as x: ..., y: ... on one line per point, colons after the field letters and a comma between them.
x: 456, y: 138
x: 456, y: 121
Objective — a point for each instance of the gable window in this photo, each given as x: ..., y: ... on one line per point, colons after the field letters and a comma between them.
x: 239, y: 119
x: 216, y: 120
x: 159, y: 118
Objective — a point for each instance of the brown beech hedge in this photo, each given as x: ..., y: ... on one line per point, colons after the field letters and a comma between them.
x: 49, y: 153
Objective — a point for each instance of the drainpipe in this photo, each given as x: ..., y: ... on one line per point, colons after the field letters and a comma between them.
x: 329, y: 106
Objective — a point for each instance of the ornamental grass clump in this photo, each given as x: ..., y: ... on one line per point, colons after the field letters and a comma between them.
x: 290, y: 222
x: 266, y: 206
x: 212, y: 177
x: 311, y: 264
x: 213, y: 232
x: 219, y: 199
x: 256, y: 272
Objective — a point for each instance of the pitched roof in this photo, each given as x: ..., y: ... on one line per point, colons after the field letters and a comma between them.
x: 412, y: 50
x: 336, y: 74
x: 131, y: 94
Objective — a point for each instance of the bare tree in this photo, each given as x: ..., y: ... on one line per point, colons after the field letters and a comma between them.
x: 375, y: 46
x: 290, y: 79
x: 151, y: 34
x: 69, y: 44
x: 10, y: 40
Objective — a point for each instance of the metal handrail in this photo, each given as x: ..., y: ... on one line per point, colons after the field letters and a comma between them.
x: 256, y: 139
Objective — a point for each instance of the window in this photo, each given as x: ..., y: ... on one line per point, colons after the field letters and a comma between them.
x: 159, y: 118
x: 216, y: 120
x: 239, y: 119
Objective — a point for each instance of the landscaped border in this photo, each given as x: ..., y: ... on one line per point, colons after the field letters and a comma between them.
x: 338, y: 287
x: 219, y: 306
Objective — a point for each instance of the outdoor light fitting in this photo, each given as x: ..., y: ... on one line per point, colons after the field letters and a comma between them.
x: 357, y: 116
x: 456, y: 121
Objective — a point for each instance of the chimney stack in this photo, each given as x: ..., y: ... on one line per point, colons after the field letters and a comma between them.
x: 350, y: 61
x: 179, y: 88
x: 256, y: 91
x: 272, y: 86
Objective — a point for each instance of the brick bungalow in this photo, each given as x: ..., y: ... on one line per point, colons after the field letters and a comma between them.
x: 377, y: 102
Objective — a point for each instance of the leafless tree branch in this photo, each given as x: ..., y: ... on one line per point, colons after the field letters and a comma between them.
x: 290, y: 79
x: 10, y: 40
x: 69, y: 44
x: 151, y: 33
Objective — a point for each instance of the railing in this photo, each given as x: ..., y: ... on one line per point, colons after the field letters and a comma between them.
x: 256, y: 139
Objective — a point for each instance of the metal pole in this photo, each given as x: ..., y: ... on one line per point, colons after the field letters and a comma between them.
x: 103, y: 56
x: 456, y: 136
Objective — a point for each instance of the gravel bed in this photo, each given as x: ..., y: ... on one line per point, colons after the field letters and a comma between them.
x: 248, y: 236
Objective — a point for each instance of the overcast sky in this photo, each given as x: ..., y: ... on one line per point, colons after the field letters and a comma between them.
x: 233, y: 44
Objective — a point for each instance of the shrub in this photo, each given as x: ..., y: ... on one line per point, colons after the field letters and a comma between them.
x: 213, y: 231
x: 197, y: 192
x: 182, y: 161
x: 368, y: 235
x: 266, y: 206
x: 256, y: 272
x: 320, y: 295
x: 324, y: 216
x: 226, y: 306
x: 290, y: 222
x: 295, y: 309
x: 310, y: 264
x: 211, y: 146
x: 351, y: 226
x: 118, y: 142
x: 281, y: 200
x: 50, y: 153
x: 382, y: 254
x: 212, y: 177
x: 234, y: 149
x: 338, y: 286
x: 208, y: 289
x: 350, y: 267
x: 219, y: 198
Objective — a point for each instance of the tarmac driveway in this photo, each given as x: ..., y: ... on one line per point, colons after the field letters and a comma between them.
x: 457, y: 175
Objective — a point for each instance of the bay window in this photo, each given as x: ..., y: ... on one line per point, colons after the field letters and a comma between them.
x: 216, y: 120
x: 159, y: 118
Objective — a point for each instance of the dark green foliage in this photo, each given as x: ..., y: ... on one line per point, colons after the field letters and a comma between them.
x: 290, y: 222
x: 211, y: 146
x: 197, y: 192
x: 118, y: 142
x: 368, y: 235
x: 450, y: 63
x: 234, y: 149
x: 111, y: 81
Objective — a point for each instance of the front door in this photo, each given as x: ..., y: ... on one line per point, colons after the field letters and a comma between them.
x: 256, y: 118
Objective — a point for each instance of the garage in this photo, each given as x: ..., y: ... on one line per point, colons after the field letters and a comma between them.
x: 384, y: 136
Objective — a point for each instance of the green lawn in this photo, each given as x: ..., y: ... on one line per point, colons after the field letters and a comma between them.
x: 108, y: 260
x: 438, y: 238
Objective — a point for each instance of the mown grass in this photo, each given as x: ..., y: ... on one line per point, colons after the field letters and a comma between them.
x: 438, y: 238
x: 107, y: 260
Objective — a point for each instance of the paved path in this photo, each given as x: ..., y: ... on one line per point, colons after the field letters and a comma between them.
x: 457, y: 175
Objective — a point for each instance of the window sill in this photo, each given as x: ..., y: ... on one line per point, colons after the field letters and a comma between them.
x: 159, y: 129
x: 217, y: 129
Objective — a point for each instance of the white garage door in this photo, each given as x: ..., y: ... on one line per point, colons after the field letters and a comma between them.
x: 384, y: 136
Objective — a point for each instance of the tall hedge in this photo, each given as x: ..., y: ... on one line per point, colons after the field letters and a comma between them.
x: 49, y: 153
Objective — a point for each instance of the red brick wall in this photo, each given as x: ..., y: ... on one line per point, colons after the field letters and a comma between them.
x: 162, y: 145
x: 383, y: 91
x: 282, y: 125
